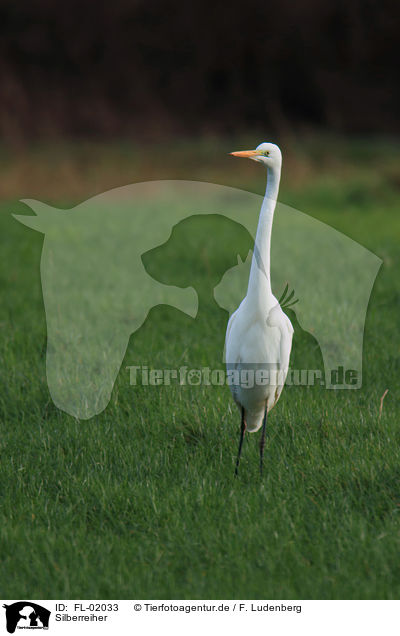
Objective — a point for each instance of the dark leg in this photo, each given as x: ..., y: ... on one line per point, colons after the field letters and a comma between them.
x: 262, y: 441
x: 242, y: 432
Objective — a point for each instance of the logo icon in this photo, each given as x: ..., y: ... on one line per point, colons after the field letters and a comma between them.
x: 26, y: 615
x: 97, y: 291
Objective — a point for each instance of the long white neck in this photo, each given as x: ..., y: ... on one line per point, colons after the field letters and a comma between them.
x: 259, y: 290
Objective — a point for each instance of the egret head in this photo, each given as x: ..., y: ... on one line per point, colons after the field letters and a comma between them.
x: 266, y: 153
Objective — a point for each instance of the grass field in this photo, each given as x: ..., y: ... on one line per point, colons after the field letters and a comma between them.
x: 140, y: 501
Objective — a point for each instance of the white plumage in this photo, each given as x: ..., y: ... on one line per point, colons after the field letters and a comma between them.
x: 259, y: 334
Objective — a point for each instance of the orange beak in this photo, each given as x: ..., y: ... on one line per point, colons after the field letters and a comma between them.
x: 245, y: 153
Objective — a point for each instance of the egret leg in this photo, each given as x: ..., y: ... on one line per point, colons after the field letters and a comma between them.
x: 262, y: 441
x: 242, y: 432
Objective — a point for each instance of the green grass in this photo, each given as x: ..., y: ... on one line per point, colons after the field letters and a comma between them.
x: 141, y: 502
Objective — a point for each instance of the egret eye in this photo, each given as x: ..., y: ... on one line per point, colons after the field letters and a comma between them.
x: 265, y: 153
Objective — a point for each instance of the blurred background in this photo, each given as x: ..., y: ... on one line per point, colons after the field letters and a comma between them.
x: 94, y: 95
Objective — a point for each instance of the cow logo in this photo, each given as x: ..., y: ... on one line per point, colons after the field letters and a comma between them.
x: 26, y: 615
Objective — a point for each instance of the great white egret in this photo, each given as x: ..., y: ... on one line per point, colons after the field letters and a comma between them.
x: 259, y: 334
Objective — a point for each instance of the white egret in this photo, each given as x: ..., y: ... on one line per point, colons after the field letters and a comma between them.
x: 259, y: 334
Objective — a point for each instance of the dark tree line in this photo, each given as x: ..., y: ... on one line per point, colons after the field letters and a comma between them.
x: 142, y: 68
